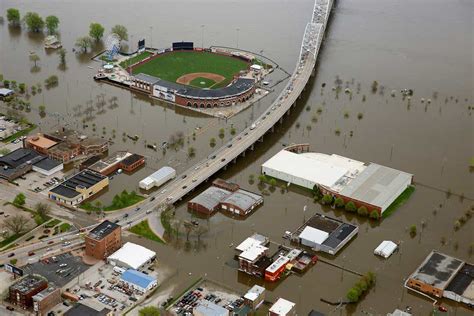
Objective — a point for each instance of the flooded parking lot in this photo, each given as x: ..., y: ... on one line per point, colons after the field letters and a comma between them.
x: 390, y: 42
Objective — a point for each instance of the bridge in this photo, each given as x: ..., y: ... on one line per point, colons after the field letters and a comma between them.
x: 228, y: 153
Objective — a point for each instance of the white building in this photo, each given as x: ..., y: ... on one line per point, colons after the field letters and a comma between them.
x: 313, y: 237
x: 282, y: 307
x: 131, y: 256
x: 255, y: 296
x: 157, y: 178
x: 206, y: 308
x: 371, y: 185
x: 386, y: 248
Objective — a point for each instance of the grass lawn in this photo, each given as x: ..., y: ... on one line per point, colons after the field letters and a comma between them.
x: 64, y: 227
x: 23, y: 132
x: 52, y: 223
x: 10, y: 239
x: 399, y: 201
x: 144, y: 230
x: 171, y: 66
x: 134, y: 59
x: 201, y: 82
x: 120, y: 201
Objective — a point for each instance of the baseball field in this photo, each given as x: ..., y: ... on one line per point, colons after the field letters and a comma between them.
x: 198, y: 69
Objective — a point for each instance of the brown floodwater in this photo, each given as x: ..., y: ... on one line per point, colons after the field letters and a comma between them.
x: 424, y: 45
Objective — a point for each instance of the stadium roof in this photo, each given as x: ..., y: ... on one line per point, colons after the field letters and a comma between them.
x: 377, y: 185
x: 238, y: 87
x: 282, y: 307
x: 138, y: 278
x: 211, y: 197
x: 132, y: 255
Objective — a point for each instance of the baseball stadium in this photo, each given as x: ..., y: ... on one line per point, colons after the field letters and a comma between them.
x: 193, y: 77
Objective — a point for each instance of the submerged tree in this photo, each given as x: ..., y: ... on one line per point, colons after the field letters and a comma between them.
x: 52, y: 23
x: 34, y: 22
x: 13, y: 17
x: 96, y: 31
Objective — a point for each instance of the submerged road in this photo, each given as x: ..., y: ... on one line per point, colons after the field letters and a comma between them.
x: 219, y: 159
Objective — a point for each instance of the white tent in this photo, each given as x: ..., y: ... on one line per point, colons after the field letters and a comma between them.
x: 386, y: 248
x: 131, y: 256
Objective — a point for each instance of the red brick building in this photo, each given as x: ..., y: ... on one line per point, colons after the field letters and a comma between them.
x: 103, y: 240
x: 45, y: 300
x: 21, y: 293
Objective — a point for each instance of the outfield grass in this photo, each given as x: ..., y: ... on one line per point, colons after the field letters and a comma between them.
x: 171, y: 66
x: 144, y: 230
x: 201, y: 82
x: 134, y: 59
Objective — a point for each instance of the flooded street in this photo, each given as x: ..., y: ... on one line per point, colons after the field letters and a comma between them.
x: 398, y: 44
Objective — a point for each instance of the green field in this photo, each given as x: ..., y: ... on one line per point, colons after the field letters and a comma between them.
x: 171, y: 66
x: 201, y: 82
x: 134, y: 59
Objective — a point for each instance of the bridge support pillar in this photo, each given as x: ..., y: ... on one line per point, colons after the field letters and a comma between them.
x: 273, y: 128
x: 281, y: 120
x: 251, y: 147
x: 261, y: 139
x: 225, y: 167
x: 243, y: 153
x: 313, y: 72
x: 235, y: 160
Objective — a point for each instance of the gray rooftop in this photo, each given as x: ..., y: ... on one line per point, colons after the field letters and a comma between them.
x: 28, y: 283
x: 103, y: 229
x: 239, y: 86
x: 48, y: 164
x: 437, y: 270
x: 377, y: 185
x: 211, y: 197
x: 243, y: 199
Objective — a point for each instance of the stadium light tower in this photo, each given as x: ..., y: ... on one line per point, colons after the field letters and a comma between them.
x: 237, y: 29
x: 202, y: 35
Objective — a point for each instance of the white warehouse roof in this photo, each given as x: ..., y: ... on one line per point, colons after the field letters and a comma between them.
x: 282, y: 307
x: 132, y: 255
x: 314, y: 235
x: 254, y: 292
x: 305, y: 167
x: 386, y: 248
x: 255, y: 239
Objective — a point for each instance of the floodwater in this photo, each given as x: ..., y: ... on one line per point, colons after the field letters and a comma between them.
x: 424, y: 45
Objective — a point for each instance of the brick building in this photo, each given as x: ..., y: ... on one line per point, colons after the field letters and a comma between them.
x: 45, y: 300
x: 21, y: 293
x: 103, y: 240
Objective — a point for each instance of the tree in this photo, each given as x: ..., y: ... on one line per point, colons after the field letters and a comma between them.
x: 272, y: 182
x: 121, y: 31
x: 339, y: 202
x: 62, y: 57
x: 374, y: 214
x: 34, y: 58
x: 221, y: 133
x: 16, y: 224
x: 350, y: 207
x: 327, y: 199
x: 233, y: 131
x: 149, y: 311
x: 52, y: 23
x: 212, y: 142
x: 413, y: 230
x: 201, y: 230
x: 42, y: 209
x: 362, y: 211
x: 96, y: 31
x: 20, y: 199
x: 34, y: 22
x: 191, y: 152
x: 84, y: 42
x: 353, y: 295
x: 13, y: 16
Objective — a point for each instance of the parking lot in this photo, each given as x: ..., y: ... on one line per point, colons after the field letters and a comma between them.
x: 207, y: 291
x: 58, y: 269
x: 37, y: 182
x: 8, y: 127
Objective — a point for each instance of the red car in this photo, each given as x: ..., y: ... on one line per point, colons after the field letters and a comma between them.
x: 11, y: 255
x: 441, y: 308
x: 31, y: 253
x: 50, y: 242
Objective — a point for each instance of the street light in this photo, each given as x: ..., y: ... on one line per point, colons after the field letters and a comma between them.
x: 237, y: 29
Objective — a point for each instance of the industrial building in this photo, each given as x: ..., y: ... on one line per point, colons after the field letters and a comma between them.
x: 385, y: 249
x: 323, y: 233
x: 23, y: 160
x: 252, y: 255
x: 254, y: 297
x: 157, y: 178
x: 80, y: 309
x: 138, y: 281
x: 21, y: 292
x: 65, y: 144
x: 207, y: 308
x: 282, y: 307
x: 131, y: 256
x: 118, y: 160
x: 78, y: 188
x: 441, y: 275
x: 365, y: 184
x: 226, y: 196
x: 45, y: 300
x: 103, y: 240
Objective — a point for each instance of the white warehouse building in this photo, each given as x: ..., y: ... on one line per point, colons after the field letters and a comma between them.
x: 131, y: 256
x: 366, y: 184
x: 157, y: 178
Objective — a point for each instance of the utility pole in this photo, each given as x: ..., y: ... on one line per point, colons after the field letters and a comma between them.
x: 202, y: 35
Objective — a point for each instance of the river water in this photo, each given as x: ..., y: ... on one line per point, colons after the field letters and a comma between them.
x: 425, y: 45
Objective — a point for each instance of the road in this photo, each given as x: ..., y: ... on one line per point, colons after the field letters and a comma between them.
x: 219, y: 159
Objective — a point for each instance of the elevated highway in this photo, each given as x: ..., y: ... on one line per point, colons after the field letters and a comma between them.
x: 229, y: 152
